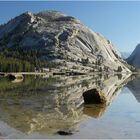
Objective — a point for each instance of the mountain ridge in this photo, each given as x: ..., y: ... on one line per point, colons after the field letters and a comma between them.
x: 134, y: 58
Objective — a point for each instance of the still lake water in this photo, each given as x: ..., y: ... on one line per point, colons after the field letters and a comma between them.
x: 42, y: 107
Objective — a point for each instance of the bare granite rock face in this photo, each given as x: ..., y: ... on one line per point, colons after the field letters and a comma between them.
x: 61, y: 38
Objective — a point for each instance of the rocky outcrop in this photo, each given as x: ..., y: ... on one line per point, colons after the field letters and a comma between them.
x: 59, y: 38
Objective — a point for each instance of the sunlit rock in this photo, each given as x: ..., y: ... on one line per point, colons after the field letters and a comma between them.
x: 62, y: 39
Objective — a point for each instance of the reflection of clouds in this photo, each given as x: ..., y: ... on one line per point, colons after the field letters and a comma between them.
x: 56, y: 107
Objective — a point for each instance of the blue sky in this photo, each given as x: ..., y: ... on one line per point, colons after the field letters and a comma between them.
x: 117, y: 21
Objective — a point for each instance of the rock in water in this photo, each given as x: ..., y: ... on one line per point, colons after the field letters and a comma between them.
x: 62, y: 39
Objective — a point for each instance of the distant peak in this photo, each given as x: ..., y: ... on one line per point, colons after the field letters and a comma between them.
x: 138, y: 46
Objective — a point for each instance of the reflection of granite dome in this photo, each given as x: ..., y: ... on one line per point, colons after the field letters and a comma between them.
x: 37, y: 114
x: 105, y: 91
x: 95, y: 110
x: 55, y: 107
x: 134, y: 87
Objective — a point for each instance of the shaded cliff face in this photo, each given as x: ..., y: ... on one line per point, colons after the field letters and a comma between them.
x: 134, y: 58
x: 60, y: 38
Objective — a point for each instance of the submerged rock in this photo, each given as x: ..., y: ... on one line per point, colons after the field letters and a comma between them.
x: 15, y: 77
x: 64, y: 133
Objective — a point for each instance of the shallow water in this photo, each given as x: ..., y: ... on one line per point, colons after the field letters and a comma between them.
x: 54, y: 108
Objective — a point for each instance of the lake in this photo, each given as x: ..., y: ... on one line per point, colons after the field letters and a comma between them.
x: 70, y: 107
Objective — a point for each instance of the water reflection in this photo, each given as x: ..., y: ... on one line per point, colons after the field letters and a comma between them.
x: 94, y: 110
x: 134, y: 87
x: 56, y: 105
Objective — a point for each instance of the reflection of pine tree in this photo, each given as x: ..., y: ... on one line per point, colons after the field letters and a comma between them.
x: 119, y: 76
x: 85, y: 61
x: 119, y: 69
x: 100, y: 69
x: 106, y: 69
